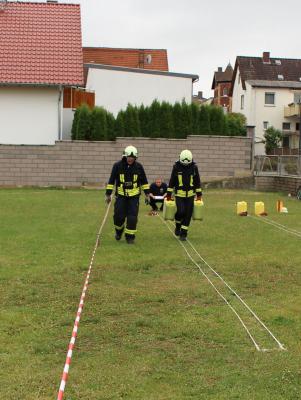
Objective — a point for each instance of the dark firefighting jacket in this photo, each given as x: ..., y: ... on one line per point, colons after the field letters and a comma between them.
x: 185, y: 180
x: 128, y: 179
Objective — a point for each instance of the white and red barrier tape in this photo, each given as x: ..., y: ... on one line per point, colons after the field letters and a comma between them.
x: 78, y: 315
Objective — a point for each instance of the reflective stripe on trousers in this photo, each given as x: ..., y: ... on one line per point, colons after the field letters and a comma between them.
x: 126, y: 213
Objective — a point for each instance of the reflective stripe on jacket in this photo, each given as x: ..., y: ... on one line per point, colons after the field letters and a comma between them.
x: 185, y: 180
x: 128, y: 179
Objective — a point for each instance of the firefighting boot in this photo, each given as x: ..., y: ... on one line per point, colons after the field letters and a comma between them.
x: 178, y: 229
x: 183, y: 235
x: 130, y: 239
x: 118, y: 234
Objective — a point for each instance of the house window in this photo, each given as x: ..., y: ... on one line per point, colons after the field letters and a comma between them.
x: 225, y: 91
x: 297, y: 97
x: 269, y: 99
x: 265, y: 125
x: 286, y: 126
x: 242, y: 102
x: 285, y: 141
x: 297, y: 126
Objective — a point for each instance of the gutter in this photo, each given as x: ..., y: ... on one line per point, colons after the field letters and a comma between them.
x: 52, y: 85
x: 60, y: 113
x: 193, y: 77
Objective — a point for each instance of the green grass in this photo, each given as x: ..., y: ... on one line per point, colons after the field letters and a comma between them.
x: 152, y: 327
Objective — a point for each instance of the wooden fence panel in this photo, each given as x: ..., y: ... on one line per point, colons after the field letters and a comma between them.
x: 74, y: 98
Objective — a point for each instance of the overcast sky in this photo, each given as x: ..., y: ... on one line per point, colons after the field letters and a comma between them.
x: 199, y: 35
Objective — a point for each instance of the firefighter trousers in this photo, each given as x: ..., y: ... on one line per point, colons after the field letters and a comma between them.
x: 126, y: 215
x: 184, y: 213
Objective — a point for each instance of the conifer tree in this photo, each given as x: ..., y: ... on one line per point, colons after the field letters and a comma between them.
x: 166, y: 121
x: 143, y: 113
x: 177, y: 118
x: 74, y: 124
x: 111, y: 134
x: 119, y: 125
x: 99, y: 124
x: 186, y: 119
x: 217, y: 117
x: 195, y: 110
x: 154, y: 119
x: 204, y: 121
x: 131, y: 121
x: 84, y: 123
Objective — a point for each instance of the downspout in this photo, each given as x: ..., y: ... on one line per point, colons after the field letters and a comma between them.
x: 60, y: 113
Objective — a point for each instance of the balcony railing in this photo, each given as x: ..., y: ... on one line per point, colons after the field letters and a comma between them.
x: 277, y: 165
x: 292, y: 110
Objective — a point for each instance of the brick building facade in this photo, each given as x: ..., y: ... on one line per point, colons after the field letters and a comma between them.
x: 221, y: 85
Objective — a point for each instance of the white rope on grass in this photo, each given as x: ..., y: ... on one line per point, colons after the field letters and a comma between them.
x: 216, y: 289
x: 277, y: 225
x: 283, y: 226
x: 280, y: 345
x: 79, y: 313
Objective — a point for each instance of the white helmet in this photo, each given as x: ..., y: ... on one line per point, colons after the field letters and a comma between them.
x: 186, y: 157
x: 130, y: 151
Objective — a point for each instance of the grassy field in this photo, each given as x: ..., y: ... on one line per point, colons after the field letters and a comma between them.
x: 152, y: 327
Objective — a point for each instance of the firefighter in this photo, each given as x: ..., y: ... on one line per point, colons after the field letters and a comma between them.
x: 129, y: 178
x: 186, y: 184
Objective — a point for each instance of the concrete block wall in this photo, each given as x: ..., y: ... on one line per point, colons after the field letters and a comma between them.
x: 285, y: 184
x: 77, y: 163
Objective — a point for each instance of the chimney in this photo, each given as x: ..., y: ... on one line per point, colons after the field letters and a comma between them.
x: 266, y: 57
x: 220, y: 69
x: 3, y: 4
x: 200, y: 95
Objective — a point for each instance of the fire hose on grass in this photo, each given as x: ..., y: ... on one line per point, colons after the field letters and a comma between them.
x: 280, y: 346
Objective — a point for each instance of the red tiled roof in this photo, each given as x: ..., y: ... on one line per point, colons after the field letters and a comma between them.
x: 41, y: 44
x: 131, y: 58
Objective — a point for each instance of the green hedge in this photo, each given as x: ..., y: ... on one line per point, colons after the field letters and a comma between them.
x: 159, y: 120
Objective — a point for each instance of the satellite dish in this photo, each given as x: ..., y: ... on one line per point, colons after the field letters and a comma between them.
x: 148, y: 59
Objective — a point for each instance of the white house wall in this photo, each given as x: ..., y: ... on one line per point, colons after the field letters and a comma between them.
x: 238, y: 91
x: 68, y: 115
x: 115, y: 89
x: 257, y: 112
x: 29, y: 115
